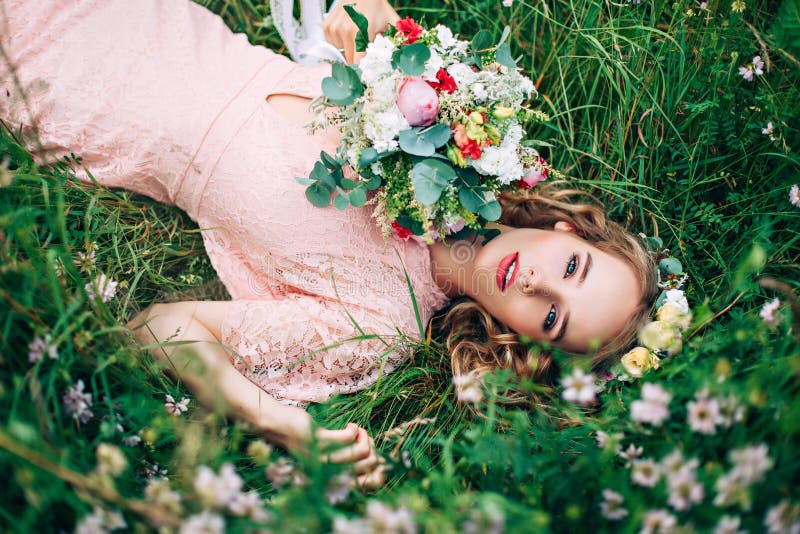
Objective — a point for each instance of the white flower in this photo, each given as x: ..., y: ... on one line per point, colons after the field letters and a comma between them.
x: 282, y: 472
x: 632, y: 452
x: 468, y: 388
x: 77, y: 403
x: 248, y: 504
x: 445, y: 36
x: 749, y: 71
x: 731, y: 490
x: 100, y: 521
x: 794, y: 195
x: 339, y: 488
x: 383, y: 92
x: 730, y: 411
x: 768, y: 310
x: 728, y: 525
x: 783, y: 518
x: 383, y: 127
x: 176, y: 408
x: 385, y: 519
x: 645, y: 472
x: 676, y: 468
x: 652, y: 408
x: 203, y: 523
x: 508, y: 3
x: 342, y: 525
x: 158, y: 492
x: 110, y: 460
x: 677, y: 298
x: 768, y: 129
x: 39, y: 346
x: 579, y: 387
x: 462, y: 74
x: 658, y: 522
x: 432, y: 66
x: 684, y: 491
x: 751, y: 463
x: 217, y: 490
x: 377, y: 61
x: 101, y: 287
x: 604, y: 439
x: 702, y: 415
x: 611, y: 507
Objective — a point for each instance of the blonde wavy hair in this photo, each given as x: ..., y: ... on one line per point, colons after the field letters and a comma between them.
x: 478, y: 343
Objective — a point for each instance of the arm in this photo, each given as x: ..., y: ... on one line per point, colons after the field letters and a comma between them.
x: 205, y: 367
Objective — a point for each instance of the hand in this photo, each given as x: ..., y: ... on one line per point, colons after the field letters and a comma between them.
x: 341, y: 31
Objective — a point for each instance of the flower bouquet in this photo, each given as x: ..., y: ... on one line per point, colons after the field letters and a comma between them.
x: 431, y: 124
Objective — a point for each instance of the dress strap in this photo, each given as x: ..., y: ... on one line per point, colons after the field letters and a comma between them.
x: 305, y: 40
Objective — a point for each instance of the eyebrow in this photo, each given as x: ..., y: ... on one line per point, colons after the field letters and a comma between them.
x: 565, y: 321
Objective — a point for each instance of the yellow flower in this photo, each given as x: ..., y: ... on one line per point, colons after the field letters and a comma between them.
x: 503, y: 112
x: 672, y: 314
x: 661, y: 336
x: 475, y: 118
x: 639, y: 360
x: 738, y: 6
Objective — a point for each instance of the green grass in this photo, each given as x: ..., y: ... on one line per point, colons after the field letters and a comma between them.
x: 648, y: 113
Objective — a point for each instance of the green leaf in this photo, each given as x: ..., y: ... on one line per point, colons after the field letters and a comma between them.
x: 469, y: 176
x: 787, y: 26
x: 411, y: 142
x: 411, y: 58
x: 504, y: 57
x: 374, y: 183
x: 506, y: 33
x: 341, y: 201
x: 347, y: 183
x: 670, y: 266
x: 481, y: 43
x: 319, y: 172
x: 362, y: 37
x: 471, y: 199
x: 437, y: 135
x: 412, y: 224
x: 358, y: 197
x: 329, y: 161
x: 304, y: 181
x: 429, y: 177
x: 343, y: 86
x: 368, y: 155
x: 319, y: 194
x: 491, y: 211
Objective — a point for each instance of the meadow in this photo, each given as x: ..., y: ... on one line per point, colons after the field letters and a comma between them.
x: 658, y: 108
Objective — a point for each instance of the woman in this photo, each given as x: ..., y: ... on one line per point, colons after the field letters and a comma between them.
x: 162, y: 99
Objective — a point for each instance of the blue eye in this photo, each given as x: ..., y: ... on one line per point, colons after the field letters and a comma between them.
x: 572, y: 266
x: 550, y: 320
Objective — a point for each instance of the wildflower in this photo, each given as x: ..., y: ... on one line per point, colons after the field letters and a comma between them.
x: 339, y: 488
x: 217, y: 490
x: 751, y: 463
x: 611, y: 507
x: 730, y: 411
x: 731, y: 490
x: 645, y: 473
x: 203, y: 523
x: 110, y: 460
x: 77, y: 403
x: 508, y: 3
x: 652, y: 408
x: 342, y: 525
x: 175, y: 408
x: 729, y: 525
x: 658, y: 522
x: 248, y: 504
x: 755, y: 68
x: 684, y: 490
x: 639, y: 360
x: 131, y: 441
x: 282, y: 472
x: 259, y: 451
x: 702, y: 415
x: 738, y: 6
x: 632, y: 452
x: 39, y: 346
x: 159, y: 493
x: 150, y: 470
x: 86, y: 260
x: 101, y: 287
x: 768, y: 129
x: 468, y: 388
x: 611, y: 440
x: 661, y: 336
x: 384, y: 518
x: 794, y: 195
x: 579, y: 387
x: 768, y: 310
x: 784, y: 518
x: 100, y: 520
x: 675, y: 467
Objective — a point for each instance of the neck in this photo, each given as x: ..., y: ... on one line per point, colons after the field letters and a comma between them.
x: 453, y: 262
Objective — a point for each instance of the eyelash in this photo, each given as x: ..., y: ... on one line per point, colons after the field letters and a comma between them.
x: 573, y: 260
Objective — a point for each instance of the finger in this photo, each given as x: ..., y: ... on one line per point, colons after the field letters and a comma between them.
x: 367, y: 464
x: 350, y: 454
x: 358, y: 56
x: 372, y: 480
x: 349, y: 45
x: 346, y: 436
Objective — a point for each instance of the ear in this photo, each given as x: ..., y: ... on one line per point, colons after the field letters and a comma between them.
x: 564, y: 226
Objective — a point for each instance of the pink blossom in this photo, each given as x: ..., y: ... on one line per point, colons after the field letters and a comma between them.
x: 217, y: 490
x: 645, y: 472
x: 39, y: 346
x: 794, y: 195
x: 768, y: 129
x: 684, y: 491
x: 702, y: 415
x: 78, y: 403
x: 767, y: 312
x: 176, y: 408
x: 102, y: 287
x: 579, y: 387
x: 611, y: 507
x: 417, y: 101
x: 652, y: 408
x: 658, y: 522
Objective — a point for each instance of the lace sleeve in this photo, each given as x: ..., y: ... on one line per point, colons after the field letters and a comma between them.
x: 299, y: 349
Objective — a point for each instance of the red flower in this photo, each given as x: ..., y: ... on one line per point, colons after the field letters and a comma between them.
x: 401, y: 231
x: 409, y: 29
x: 444, y: 82
x: 472, y: 149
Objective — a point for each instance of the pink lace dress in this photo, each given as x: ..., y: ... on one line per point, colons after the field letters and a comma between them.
x: 162, y: 99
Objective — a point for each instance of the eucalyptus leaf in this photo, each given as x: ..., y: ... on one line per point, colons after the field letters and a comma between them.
x: 481, y: 43
x: 411, y: 58
x: 491, y: 211
x: 319, y: 194
x: 437, y: 135
x: 429, y: 177
x: 411, y: 142
x: 504, y: 36
x: 329, y: 161
x: 471, y: 199
x: 374, y: 183
x: 341, y: 201
x: 368, y: 155
x: 343, y: 86
x: 358, y: 197
x: 304, y: 181
x: 348, y: 184
x: 670, y: 266
x: 504, y: 56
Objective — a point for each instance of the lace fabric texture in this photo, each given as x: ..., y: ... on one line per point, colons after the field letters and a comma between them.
x: 162, y: 99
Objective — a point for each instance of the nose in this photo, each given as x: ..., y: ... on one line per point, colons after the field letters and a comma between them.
x: 530, y: 281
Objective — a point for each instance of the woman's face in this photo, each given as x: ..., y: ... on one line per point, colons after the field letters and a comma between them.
x: 552, y: 285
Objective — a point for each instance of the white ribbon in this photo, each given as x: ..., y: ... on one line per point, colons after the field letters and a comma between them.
x: 305, y: 40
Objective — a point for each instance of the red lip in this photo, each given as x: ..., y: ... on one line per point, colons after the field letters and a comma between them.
x: 502, y: 269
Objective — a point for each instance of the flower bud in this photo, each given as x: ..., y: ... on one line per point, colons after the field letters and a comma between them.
x: 475, y: 118
x: 503, y: 112
x: 493, y: 133
x: 417, y: 101
x: 455, y: 156
x: 476, y: 132
x: 639, y: 360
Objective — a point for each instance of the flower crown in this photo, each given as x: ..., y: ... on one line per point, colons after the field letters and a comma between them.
x: 663, y: 336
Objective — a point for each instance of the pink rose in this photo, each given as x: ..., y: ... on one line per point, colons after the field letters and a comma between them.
x: 418, y: 101
x: 536, y: 174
